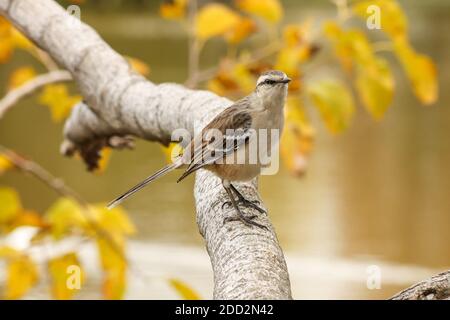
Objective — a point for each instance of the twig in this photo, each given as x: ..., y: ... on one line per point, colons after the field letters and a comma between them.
x: 13, y: 96
x: 61, y: 188
x: 194, y: 47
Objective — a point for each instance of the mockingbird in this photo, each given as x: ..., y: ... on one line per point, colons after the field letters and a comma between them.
x: 226, y: 139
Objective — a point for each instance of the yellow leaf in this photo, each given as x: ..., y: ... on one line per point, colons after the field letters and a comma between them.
x: 26, y: 218
x: 236, y: 80
x: 420, y: 70
x: 269, y: 10
x: 8, y: 253
x: 64, y: 216
x: 105, y: 156
x: 22, y: 275
x: 139, y: 66
x: 392, y: 18
x: 334, y: 102
x: 114, y: 269
x: 297, y: 139
x: 114, y: 221
x: 184, y: 290
x: 6, y: 40
x: 175, y: 10
x: 57, y: 98
x: 215, y: 19
x: 19, y: 40
x: 375, y: 85
x: 9, y: 204
x: 20, y: 76
x: 5, y: 164
x: 241, y: 30
x: 66, y: 276
x: 172, y: 151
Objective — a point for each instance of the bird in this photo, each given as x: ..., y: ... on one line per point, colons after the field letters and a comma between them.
x: 227, y: 137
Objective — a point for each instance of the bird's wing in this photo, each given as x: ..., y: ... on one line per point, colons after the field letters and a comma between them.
x: 206, y: 149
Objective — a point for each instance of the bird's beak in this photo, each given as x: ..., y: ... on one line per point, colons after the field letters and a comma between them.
x: 286, y: 80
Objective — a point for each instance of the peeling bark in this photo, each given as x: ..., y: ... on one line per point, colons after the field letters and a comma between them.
x: 248, y: 263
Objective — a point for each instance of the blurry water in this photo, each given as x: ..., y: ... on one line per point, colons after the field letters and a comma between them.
x: 378, y: 192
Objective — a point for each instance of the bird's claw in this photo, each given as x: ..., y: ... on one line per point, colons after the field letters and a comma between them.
x: 246, y: 220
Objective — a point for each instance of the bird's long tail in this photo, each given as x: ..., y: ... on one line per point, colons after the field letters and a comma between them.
x: 145, y: 182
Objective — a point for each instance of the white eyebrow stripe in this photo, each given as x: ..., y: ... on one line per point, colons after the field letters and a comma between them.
x: 262, y: 79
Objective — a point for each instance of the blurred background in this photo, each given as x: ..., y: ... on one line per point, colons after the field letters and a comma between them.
x: 376, y: 194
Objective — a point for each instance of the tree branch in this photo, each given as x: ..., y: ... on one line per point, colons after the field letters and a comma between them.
x: 29, y: 87
x: 247, y: 262
x: 435, y: 288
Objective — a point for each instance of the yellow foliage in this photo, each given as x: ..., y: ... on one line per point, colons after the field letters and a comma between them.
x: 393, y: 19
x: 114, y: 268
x: 26, y: 218
x: 297, y: 139
x: 270, y: 10
x: 241, y: 30
x: 236, y: 80
x: 105, y: 156
x: 215, y: 19
x: 6, y: 41
x: 375, y: 85
x: 175, y: 10
x: 60, y: 271
x: 5, y: 164
x: 334, y: 102
x: 171, y: 151
x: 184, y: 290
x: 114, y: 221
x: 139, y: 66
x: 374, y: 80
x: 421, y: 71
x: 9, y: 204
x: 58, y: 99
x: 19, y: 76
x: 22, y: 275
x: 65, y: 215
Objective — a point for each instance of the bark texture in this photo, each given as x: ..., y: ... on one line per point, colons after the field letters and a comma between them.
x: 435, y: 288
x: 248, y: 263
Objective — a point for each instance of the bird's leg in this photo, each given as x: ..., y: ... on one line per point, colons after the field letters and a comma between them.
x: 241, y: 216
x: 245, y: 202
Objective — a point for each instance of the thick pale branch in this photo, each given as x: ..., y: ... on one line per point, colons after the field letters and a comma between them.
x: 247, y: 262
x: 435, y: 288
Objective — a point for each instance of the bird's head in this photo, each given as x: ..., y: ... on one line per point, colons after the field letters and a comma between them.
x: 272, y: 85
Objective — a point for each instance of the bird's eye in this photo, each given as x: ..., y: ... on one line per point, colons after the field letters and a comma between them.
x: 268, y: 81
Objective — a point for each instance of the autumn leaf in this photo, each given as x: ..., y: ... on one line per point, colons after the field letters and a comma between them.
x: 186, y: 292
x: 105, y: 156
x: 64, y: 216
x: 270, y: 10
x: 421, y: 71
x: 297, y: 139
x: 26, y: 218
x: 393, y: 19
x: 22, y: 275
x: 234, y: 80
x: 21, y: 75
x: 5, y: 164
x: 240, y: 31
x: 114, y: 221
x: 114, y: 268
x: 174, y: 10
x: 9, y: 204
x: 215, y: 19
x: 171, y: 151
x: 58, y: 99
x: 375, y: 85
x: 334, y: 102
x: 6, y: 41
x: 139, y: 66
x: 62, y: 269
